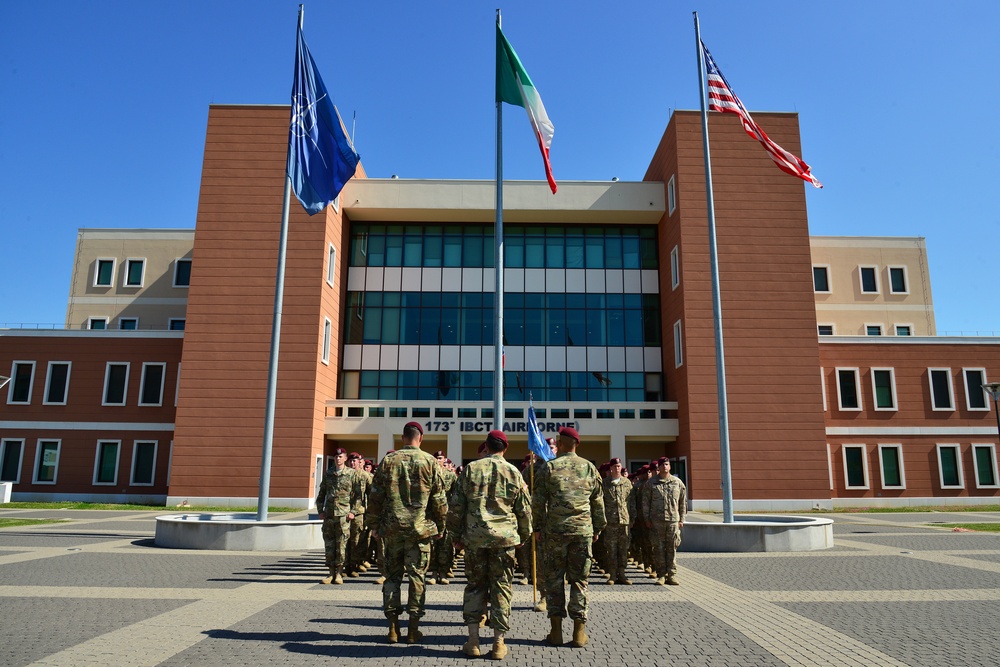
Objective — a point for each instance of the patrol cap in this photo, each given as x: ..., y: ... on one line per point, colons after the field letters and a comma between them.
x: 339, y: 450
x: 414, y: 425
x: 569, y: 432
x: 615, y: 462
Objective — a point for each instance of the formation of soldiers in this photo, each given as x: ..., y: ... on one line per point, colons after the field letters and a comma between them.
x: 416, y: 513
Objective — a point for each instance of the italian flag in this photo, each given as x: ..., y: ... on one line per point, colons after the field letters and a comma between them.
x: 514, y: 87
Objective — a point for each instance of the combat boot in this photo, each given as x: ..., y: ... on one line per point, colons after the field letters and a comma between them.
x: 541, y: 606
x: 623, y: 580
x: 393, y: 635
x: 499, y: 651
x: 443, y: 580
x: 380, y: 580
x: 610, y: 581
x: 430, y: 581
x: 555, y: 635
x: 471, y: 647
x: 329, y: 580
x: 672, y: 581
x: 579, y: 634
x: 413, y: 634
x: 337, y: 578
x: 661, y: 581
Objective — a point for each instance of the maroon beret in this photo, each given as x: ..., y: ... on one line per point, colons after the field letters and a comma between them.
x: 498, y: 435
x: 339, y: 450
x: 569, y: 432
x: 615, y: 462
x: 439, y: 453
x: 414, y: 425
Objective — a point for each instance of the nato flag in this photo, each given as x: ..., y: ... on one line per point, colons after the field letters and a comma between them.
x: 536, y: 443
x: 322, y: 159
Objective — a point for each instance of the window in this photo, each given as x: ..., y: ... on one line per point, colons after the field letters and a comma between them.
x: 11, y: 452
x: 941, y: 389
x: 176, y: 324
x: 986, y: 466
x: 128, y: 323
x: 97, y: 323
x: 327, y: 334
x: 869, y: 279
x: 678, y: 345
x: 57, y: 383
x: 897, y: 280
x: 671, y: 196
x: 152, y: 384
x: 675, y: 268
x: 855, y: 466
x: 46, y: 461
x: 22, y: 379
x: 182, y: 273
x: 950, y: 467
x: 825, y: 329
x: 821, y: 279
x: 848, y: 396
x: 891, y: 465
x: 884, y: 388
x: 133, y: 272
x: 104, y: 273
x: 904, y: 330
x: 873, y: 329
x: 331, y: 265
x: 115, y: 383
x: 106, y: 462
x: 975, y: 395
x: 143, y: 463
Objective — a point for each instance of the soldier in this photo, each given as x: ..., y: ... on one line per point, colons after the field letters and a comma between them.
x: 339, y: 500
x: 489, y: 515
x: 442, y: 551
x: 357, y: 542
x: 568, y: 509
x: 407, y: 507
x: 619, y: 507
x: 664, y: 505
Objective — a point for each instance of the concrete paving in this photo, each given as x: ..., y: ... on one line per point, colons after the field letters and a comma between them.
x: 892, y: 591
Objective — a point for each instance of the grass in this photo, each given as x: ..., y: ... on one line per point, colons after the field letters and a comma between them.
x: 73, y: 505
x: 979, y: 527
x: 887, y: 510
x: 12, y: 523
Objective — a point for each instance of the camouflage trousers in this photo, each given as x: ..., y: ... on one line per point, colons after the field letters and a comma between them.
x: 356, y: 545
x: 335, y: 533
x: 567, y: 560
x: 442, y: 555
x: 491, y: 576
x: 616, y: 539
x: 665, y: 537
x: 411, y: 556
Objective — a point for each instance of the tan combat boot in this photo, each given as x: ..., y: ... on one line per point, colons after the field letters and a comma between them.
x: 499, y: 651
x: 579, y: 634
x: 471, y: 647
x: 329, y: 580
x: 541, y: 605
x: 393, y: 635
x: 672, y: 581
x: 337, y: 578
x: 413, y: 634
x: 555, y: 635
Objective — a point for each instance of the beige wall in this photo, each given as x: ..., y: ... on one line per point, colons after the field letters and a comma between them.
x: 848, y: 309
x: 154, y: 302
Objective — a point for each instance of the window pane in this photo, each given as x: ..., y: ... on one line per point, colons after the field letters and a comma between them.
x: 48, y: 453
x: 868, y: 282
x: 940, y: 390
x: 152, y: 384
x: 984, y: 467
x: 848, y: 390
x: 855, y: 466
x: 883, y: 389
x: 98, y: 324
x: 874, y: 330
x: 107, y: 455
x: 10, y: 465
x: 21, y: 391
x: 117, y: 374
x: 182, y: 275
x: 825, y: 329
x: 105, y: 272
x: 949, y: 466
x: 134, y: 276
x: 821, y: 282
x: 890, y: 467
x: 58, y: 375
x: 974, y: 381
x: 142, y: 467
x: 902, y: 330
x: 897, y: 280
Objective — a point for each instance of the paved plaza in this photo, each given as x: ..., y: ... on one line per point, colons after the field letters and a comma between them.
x: 893, y: 591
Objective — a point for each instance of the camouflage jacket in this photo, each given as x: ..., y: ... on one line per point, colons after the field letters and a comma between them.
x: 664, y: 499
x: 407, y: 496
x: 619, y: 501
x: 568, y: 498
x: 489, y: 505
x: 341, y: 493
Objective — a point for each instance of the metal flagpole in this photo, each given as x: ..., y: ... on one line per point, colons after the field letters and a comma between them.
x: 498, y: 259
x: 272, y: 368
x: 720, y: 357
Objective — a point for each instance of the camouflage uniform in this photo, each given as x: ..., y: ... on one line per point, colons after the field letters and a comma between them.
x: 664, y: 503
x: 407, y: 506
x: 340, y: 494
x: 489, y: 511
x: 443, y: 550
x: 619, y: 508
x: 357, y: 542
x: 568, y: 508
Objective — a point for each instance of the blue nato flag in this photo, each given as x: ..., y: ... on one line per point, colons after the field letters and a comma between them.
x: 536, y: 443
x: 321, y: 157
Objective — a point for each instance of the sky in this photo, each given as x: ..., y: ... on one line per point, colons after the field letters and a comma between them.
x: 103, y: 109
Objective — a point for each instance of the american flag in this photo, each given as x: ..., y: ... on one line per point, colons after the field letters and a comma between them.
x: 722, y: 98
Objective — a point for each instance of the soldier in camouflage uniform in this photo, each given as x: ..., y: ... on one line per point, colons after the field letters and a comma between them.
x: 619, y: 507
x: 664, y: 506
x: 357, y: 542
x: 568, y: 509
x: 442, y: 551
x: 407, y: 507
x: 339, y: 500
x: 489, y: 515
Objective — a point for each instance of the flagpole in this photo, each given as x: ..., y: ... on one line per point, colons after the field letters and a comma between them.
x: 272, y: 367
x: 720, y: 357
x: 498, y: 269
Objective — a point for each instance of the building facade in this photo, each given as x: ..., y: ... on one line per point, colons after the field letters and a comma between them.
x: 388, y: 317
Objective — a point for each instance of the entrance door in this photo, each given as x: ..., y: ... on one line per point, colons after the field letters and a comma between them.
x: 317, y: 476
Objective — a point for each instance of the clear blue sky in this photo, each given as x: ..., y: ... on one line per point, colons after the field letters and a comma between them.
x: 103, y: 108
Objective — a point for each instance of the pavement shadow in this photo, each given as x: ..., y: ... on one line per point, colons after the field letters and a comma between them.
x: 355, y: 645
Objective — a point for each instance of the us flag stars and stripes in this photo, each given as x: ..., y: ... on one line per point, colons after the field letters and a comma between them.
x: 722, y: 98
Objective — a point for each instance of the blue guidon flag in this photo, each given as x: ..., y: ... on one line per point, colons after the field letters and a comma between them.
x: 322, y: 158
x: 536, y: 443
